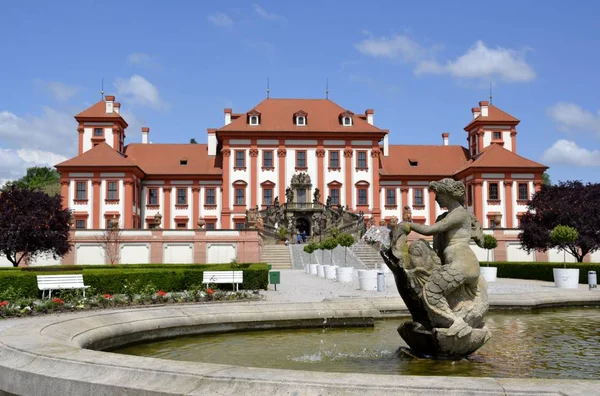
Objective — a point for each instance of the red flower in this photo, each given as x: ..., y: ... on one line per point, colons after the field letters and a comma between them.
x: 210, y: 291
x: 3, y: 303
x: 57, y: 300
x: 108, y: 296
x: 161, y: 293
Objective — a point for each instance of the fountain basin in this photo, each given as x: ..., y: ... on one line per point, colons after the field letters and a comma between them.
x: 48, y: 355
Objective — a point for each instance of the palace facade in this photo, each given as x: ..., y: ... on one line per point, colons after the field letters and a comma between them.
x: 250, y: 161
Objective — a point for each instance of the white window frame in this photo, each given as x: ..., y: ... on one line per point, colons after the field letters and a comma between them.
x: 347, y: 121
x: 301, y: 118
x: 253, y: 118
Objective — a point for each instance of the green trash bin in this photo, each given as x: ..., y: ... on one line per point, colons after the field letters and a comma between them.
x: 270, y: 267
x: 275, y: 278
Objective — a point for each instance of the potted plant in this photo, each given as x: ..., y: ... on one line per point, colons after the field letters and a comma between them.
x: 489, y: 273
x: 310, y: 248
x: 346, y: 240
x: 328, y: 244
x: 564, y: 237
x: 282, y: 234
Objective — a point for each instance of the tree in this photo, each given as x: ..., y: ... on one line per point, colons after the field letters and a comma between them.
x: 32, y: 223
x: 570, y: 203
x: 489, y: 243
x: 38, y: 178
x: 193, y: 141
x: 564, y: 236
x: 346, y: 240
x: 329, y: 244
x: 546, y: 179
x: 110, y: 240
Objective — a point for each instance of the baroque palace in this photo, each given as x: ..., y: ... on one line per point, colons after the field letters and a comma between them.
x: 257, y: 158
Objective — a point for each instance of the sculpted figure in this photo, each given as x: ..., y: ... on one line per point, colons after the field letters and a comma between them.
x: 289, y: 195
x: 406, y: 214
x: 317, y: 196
x: 441, y: 285
x: 328, y: 201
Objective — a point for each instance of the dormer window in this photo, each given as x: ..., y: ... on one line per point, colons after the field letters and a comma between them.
x: 183, y: 161
x: 253, y: 117
x: 300, y: 120
x: 346, y: 118
x: 413, y: 162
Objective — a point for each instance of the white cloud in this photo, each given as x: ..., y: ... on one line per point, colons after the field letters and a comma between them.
x: 399, y: 46
x: 221, y: 20
x: 567, y: 152
x: 139, y: 91
x: 571, y: 117
x: 14, y: 163
x: 52, y: 131
x: 61, y: 92
x: 271, y: 16
x: 481, y: 62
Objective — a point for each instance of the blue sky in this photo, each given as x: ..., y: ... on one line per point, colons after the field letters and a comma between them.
x: 175, y: 65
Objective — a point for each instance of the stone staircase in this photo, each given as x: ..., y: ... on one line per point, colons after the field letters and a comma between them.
x: 276, y: 255
x: 367, y: 254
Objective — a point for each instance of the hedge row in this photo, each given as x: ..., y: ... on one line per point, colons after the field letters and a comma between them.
x: 540, y: 271
x: 108, y: 279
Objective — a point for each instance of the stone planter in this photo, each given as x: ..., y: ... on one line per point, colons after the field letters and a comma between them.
x: 367, y: 280
x: 321, y: 271
x: 566, y: 278
x: 330, y: 271
x: 344, y: 274
x: 489, y: 273
x: 313, y: 269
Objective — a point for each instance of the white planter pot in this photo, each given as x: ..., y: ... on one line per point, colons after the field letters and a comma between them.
x: 321, y: 271
x: 330, y: 271
x: 489, y: 273
x: 367, y: 280
x: 307, y: 268
x: 566, y: 278
x: 313, y: 269
x: 344, y: 274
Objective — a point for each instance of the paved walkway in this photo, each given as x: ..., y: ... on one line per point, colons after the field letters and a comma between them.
x: 298, y: 286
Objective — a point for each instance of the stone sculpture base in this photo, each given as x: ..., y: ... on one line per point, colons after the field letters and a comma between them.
x: 437, y: 344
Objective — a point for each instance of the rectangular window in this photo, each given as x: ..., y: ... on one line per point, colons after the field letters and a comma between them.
x: 240, y: 198
x: 361, y: 160
x: 334, y: 193
x: 301, y: 196
x: 210, y: 197
x: 112, y: 191
x: 523, y: 191
x: 210, y: 225
x: 181, y: 224
x: 497, y: 135
x: 240, y: 159
x: 362, y: 196
x: 98, y: 132
x: 80, y: 224
x: 334, y: 159
x: 268, y: 159
x: 301, y: 159
x: 81, y: 191
x: 240, y: 225
x: 268, y: 196
x: 493, y: 191
x: 418, y: 197
x: 152, y: 196
x: 182, y: 196
x: 390, y: 197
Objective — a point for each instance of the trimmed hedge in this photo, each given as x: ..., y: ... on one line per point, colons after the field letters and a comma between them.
x: 113, y: 279
x: 540, y: 271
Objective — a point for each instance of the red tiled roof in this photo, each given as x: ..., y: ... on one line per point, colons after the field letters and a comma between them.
x: 99, y: 155
x: 431, y: 160
x: 494, y: 115
x: 98, y: 110
x: 278, y: 115
x: 496, y: 156
x: 164, y: 159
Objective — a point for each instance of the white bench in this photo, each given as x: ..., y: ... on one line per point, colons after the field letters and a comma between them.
x: 233, y: 277
x: 57, y: 282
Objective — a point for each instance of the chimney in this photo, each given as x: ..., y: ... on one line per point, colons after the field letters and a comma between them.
x: 145, y: 132
x: 227, y: 116
x: 117, y: 107
x: 445, y: 137
x: 476, y: 111
x: 369, y: 113
x: 484, y: 108
x: 110, y: 100
x: 212, y: 141
x: 386, y: 143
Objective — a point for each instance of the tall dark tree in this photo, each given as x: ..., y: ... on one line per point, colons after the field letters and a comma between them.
x: 193, y: 141
x: 32, y: 223
x: 570, y: 203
